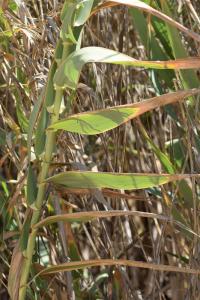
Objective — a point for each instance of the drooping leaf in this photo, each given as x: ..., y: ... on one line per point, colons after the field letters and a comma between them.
x: 87, y: 216
x: 68, y: 72
x: 91, y: 215
x: 126, y: 181
x: 111, y: 262
x: 99, y: 121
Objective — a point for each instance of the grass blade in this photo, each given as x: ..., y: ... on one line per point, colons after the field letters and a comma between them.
x: 68, y: 72
x: 126, y: 181
x: 111, y: 262
x: 99, y: 121
x: 87, y: 216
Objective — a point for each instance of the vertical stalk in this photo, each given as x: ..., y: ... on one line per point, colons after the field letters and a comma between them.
x: 50, y: 142
x: 49, y: 146
x: 67, y: 18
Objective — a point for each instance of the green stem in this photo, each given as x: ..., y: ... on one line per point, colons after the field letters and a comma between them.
x: 50, y: 142
x: 49, y: 147
x: 68, y: 47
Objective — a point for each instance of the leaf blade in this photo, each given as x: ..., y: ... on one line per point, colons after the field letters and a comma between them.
x: 86, y: 216
x: 126, y: 181
x: 110, y: 262
x: 68, y: 72
x: 100, y: 121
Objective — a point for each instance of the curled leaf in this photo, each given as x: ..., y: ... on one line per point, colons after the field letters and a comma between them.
x: 68, y: 72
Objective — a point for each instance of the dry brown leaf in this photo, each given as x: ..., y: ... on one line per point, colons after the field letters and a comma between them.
x: 15, y: 273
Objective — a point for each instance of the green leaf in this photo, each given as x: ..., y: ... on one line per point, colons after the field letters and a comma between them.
x: 126, y: 181
x: 117, y: 285
x: 23, y: 122
x: 152, y: 47
x: 6, y: 33
x: 186, y: 192
x: 67, y: 20
x: 2, y: 137
x: 25, y: 233
x: 164, y: 159
x: 161, y: 34
x: 177, y: 149
x: 31, y: 186
x: 189, y: 78
x: 50, y: 91
x: 46, y: 99
x: 1, y: 232
x: 68, y: 72
x: 99, y: 121
x: 154, y: 50
x: 33, y: 119
x: 13, y: 5
x: 96, y: 122
x: 58, y: 56
x: 177, y: 215
x: 83, y: 12
x: 40, y: 136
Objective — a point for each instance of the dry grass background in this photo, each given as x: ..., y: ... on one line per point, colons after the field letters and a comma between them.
x: 28, y: 37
